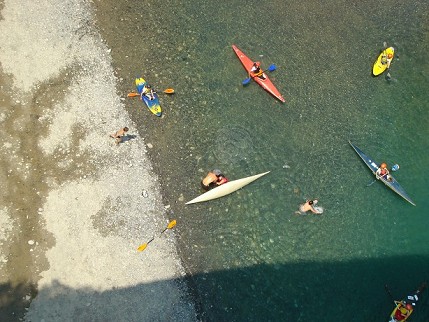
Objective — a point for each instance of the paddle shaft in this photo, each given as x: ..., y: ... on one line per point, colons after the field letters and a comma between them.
x: 371, y: 183
x: 167, y: 91
x: 388, y: 292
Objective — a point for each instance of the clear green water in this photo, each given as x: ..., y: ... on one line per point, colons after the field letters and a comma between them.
x: 250, y: 257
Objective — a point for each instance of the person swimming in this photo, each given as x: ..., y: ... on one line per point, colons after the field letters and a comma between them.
x: 309, y: 205
x: 213, y: 179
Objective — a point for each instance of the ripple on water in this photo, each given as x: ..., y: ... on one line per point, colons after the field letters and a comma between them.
x: 234, y: 144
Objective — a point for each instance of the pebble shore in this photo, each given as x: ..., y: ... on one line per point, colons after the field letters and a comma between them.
x: 83, y: 205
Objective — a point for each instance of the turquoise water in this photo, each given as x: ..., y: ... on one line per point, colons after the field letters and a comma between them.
x: 251, y: 258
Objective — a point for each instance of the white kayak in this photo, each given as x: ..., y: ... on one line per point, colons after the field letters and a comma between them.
x: 226, y: 188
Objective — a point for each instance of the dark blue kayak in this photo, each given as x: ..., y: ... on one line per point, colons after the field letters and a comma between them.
x: 392, y: 183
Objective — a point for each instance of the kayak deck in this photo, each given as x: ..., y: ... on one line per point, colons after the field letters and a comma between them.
x: 264, y: 83
x: 152, y: 105
x: 392, y: 184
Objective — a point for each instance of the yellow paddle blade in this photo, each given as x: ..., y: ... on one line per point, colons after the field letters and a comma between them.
x: 169, y: 91
x: 133, y: 94
x: 171, y: 224
x: 142, y: 247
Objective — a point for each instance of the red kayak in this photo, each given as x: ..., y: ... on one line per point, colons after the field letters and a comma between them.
x: 265, y: 83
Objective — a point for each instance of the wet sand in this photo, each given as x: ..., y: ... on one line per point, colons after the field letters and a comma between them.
x: 74, y: 206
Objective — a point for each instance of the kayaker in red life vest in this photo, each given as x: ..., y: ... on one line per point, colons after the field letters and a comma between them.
x: 403, y: 311
x: 213, y: 179
x: 256, y: 71
x: 382, y: 172
x: 221, y: 180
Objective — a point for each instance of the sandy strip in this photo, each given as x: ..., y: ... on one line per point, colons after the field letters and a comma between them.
x: 102, y: 200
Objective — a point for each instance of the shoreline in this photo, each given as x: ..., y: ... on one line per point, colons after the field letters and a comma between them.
x: 91, y: 214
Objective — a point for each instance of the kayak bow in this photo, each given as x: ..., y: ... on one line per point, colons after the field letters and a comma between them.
x: 264, y: 83
x: 392, y: 184
x: 226, y: 188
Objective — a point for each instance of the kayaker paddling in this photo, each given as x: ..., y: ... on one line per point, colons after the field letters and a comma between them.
x: 256, y: 71
x: 403, y: 311
x: 148, y: 92
x: 263, y: 81
x: 213, y: 179
x: 386, y: 59
x: 382, y: 172
x: 148, y: 96
x: 391, y: 182
x: 404, y: 308
x: 383, y: 61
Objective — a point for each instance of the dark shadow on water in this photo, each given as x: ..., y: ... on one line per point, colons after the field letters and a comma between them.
x: 14, y: 299
x: 308, y: 291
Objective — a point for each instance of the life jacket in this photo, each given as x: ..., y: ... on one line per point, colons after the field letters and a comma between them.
x: 401, y: 313
x: 222, y: 180
x: 256, y: 72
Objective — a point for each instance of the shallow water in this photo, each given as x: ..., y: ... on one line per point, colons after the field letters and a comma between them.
x: 250, y: 256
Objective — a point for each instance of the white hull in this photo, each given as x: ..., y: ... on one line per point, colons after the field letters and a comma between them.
x: 226, y: 188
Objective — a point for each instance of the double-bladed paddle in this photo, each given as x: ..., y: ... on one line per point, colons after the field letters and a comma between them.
x: 142, y: 247
x: 388, y: 292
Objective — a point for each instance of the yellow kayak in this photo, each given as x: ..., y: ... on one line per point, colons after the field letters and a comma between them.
x: 400, y: 313
x: 405, y: 307
x: 383, y: 61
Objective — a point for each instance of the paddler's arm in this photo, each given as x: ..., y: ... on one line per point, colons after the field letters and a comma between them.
x: 388, y: 63
x: 252, y: 72
x: 314, y: 211
x: 377, y: 174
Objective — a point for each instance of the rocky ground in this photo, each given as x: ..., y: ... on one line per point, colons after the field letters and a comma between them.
x: 74, y: 206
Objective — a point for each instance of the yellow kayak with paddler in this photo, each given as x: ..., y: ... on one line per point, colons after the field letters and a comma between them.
x: 383, y: 61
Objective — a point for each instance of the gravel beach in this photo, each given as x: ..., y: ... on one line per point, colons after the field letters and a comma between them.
x: 74, y: 206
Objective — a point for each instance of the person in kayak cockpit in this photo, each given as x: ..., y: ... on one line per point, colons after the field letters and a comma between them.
x: 386, y: 59
x: 256, y: 71
x: 382, y: 172
x: 148, y: 92
x: 403, y: 311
